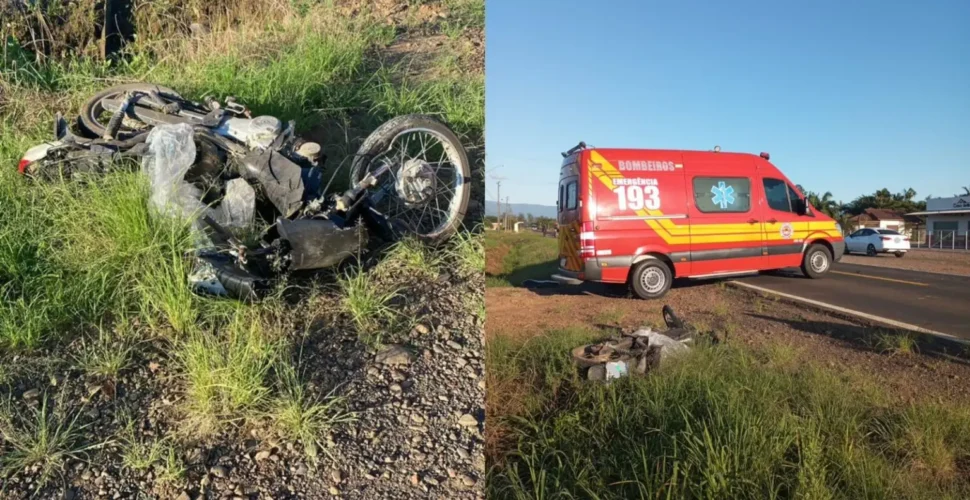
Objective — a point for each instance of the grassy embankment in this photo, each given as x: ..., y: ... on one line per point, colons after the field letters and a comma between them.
x: 722, y: 422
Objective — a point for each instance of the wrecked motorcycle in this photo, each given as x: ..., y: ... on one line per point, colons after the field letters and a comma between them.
x: 409, y: 177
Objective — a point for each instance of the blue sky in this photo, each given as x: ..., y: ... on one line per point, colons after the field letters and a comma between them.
x: 848, y: 97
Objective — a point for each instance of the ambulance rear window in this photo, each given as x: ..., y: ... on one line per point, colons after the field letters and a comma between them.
x: 722, y: 194
x: 571, y: 201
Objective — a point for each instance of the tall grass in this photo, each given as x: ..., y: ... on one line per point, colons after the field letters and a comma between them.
x: 72, y: 254
x: 226, y: 372
x: 76, y: 254
x: 718, y: 423
x: 368, y: 304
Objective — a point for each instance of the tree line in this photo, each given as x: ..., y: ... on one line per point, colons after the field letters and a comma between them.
x: 904, y: 201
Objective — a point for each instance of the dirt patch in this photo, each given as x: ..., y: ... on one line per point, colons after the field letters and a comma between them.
x: 930, y: 261
x: 495, y: 259
x: 432, y: 57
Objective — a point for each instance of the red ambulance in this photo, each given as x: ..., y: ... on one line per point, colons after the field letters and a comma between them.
x: 646, y: 216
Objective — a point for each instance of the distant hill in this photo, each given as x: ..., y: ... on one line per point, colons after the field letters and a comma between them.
x: 523, y: 208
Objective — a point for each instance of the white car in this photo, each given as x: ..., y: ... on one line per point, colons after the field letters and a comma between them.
x: 876, y: 241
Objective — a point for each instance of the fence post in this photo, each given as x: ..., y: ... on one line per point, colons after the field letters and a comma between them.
x: 953, y: 240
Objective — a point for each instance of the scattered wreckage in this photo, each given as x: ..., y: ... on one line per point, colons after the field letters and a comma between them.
x: 637, y: 353
x: 216, y: 165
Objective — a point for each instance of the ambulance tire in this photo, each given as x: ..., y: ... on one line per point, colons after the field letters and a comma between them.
x: 651, y: 279
x: 817, y: 261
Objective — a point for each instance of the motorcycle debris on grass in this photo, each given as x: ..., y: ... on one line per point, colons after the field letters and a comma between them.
x: 639, y: 352
x: 225, y: 171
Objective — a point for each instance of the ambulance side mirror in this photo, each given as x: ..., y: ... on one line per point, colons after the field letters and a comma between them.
x: 801, y: 207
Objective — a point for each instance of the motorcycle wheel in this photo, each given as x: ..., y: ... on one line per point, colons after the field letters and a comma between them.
x: 426, y: 191
x: 92, y: 111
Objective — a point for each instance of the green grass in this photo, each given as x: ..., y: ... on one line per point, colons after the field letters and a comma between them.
x: 468, y: 249
x: 368, y: 303
x: 75, y: 255
x: 413, y: 257
x: 226, y: 372
x: 722, y: 422
x: 901, y: 343
x: 302, y: 417
x: 44, y: 438
x: 160, y: 455
x: 524, y: 256
x: 104, y: 356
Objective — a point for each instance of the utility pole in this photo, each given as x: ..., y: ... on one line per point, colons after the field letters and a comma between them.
x: 508, y: 213
x: 498, y: 202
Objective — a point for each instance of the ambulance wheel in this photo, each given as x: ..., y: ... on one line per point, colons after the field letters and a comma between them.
x: 651, y: 279
x: 899, y: 255
x: 817, y: 261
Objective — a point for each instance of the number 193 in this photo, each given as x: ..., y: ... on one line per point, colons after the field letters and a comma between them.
x: 638, y: 197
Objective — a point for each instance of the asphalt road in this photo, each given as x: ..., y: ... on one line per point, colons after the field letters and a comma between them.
x: 937, y: 302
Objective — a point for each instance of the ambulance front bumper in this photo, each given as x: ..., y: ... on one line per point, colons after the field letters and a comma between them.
x: 839, y: 248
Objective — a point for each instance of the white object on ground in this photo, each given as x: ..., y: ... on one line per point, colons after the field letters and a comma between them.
x: 171, y: 153
x: 615, y: 369
x: 668, y: 346
x: 238, y: 205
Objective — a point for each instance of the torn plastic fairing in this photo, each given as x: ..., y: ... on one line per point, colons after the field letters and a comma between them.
x: 171, y: 153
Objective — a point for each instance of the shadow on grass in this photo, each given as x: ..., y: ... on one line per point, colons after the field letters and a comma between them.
x: 540, y: 271
x: 870, y: 338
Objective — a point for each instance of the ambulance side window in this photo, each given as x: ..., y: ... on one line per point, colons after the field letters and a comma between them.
x: 571, y: 201
x: 722, y: 194
x: 776, y: 192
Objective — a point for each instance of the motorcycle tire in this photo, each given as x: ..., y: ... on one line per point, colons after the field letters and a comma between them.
x: 382, y: 139
x: 92, y: 109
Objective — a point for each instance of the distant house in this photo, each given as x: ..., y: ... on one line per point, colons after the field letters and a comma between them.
x: 882, y: 218
x: 947, y: 219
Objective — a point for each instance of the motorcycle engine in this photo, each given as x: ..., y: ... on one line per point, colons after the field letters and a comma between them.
x: 256, y: 133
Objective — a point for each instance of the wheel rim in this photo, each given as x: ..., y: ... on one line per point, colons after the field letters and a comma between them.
x: 653, y: 280
x: 819, y: 262
x: 423, y: 191
x: 101, y: 116
x: 871, y: 250
x: 129, y: 126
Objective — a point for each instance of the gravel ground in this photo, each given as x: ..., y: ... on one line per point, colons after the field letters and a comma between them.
x: 931, y: 261
x: 418, y: 401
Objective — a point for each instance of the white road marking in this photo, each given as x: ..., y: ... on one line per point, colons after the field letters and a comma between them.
x: 871, y: 317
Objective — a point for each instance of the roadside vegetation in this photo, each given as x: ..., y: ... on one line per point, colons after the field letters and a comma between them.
x: 742, y: 419
x: 515, y: 257
x: 94, y: 296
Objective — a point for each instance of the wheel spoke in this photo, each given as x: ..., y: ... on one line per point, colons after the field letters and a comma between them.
x: 424, y: 182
